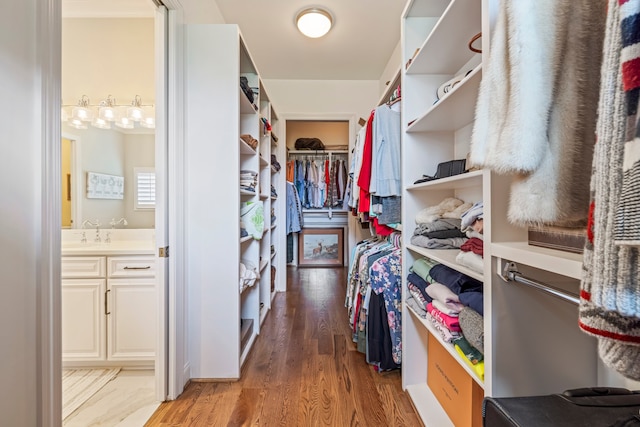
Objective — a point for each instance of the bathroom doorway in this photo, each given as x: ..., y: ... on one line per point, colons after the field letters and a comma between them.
x: 110, y: 58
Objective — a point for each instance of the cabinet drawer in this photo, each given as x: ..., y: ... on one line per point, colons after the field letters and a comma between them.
x: 131, y: 266
x: 83, y: 267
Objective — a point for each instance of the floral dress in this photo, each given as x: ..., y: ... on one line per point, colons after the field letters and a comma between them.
x: 386, y: 279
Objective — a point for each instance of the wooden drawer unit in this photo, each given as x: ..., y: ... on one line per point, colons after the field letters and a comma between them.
x: 131, y: 266
x: 83, y: 267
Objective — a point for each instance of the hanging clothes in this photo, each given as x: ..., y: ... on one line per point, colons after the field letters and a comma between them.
x: 373, y: 300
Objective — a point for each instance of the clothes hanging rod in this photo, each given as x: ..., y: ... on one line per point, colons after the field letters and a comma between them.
x: 510, y: 273
x: 320, y: 152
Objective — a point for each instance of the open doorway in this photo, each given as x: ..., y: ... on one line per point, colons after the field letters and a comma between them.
x: 111, y: 275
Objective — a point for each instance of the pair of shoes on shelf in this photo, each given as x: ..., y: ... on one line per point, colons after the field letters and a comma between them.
x: 274, y: 163
x: 250, y: 140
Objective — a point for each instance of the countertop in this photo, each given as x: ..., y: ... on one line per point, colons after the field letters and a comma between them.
x: 119, y: 247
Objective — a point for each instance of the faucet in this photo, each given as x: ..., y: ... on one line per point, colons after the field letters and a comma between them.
x: 122, y: 221
x: 95, y: 224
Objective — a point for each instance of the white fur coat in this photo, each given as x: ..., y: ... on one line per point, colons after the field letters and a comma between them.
x: 536, y: 111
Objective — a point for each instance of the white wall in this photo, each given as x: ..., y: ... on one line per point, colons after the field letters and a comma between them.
x: 21, y: 180
x: 108, y: 56
x: 393, y: 67
x: 356, y: 97
x: 201, y: 12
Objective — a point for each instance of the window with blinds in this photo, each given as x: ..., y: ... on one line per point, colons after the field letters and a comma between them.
x: 145, y: 188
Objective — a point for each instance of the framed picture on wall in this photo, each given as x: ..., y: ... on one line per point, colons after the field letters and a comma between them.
x: 321, y: 247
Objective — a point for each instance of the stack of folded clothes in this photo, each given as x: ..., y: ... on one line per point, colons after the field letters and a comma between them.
x: 248, y: 180
x: 471, y: 252
x: 439, y: 227
x: 452, y: 302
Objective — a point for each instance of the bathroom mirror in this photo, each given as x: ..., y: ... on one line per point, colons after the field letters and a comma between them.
x: 108, y: 152
x: 106, y: 59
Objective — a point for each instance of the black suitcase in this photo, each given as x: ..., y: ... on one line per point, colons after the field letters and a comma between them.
x: 585, y: 407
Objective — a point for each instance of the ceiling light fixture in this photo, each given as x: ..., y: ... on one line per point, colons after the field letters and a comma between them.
x: 314, y: 22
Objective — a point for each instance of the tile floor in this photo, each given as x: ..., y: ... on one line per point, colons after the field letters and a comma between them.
x: 126, y: 401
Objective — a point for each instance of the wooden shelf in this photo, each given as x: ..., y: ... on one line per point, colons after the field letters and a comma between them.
x: 245, y: 239
x: 455, y: 110
x: 263, y: 264
x: 247, y: 193
x: 246, y: 149
x: 445, y: 50
x: 246, y: 107
x: 448, y: 346
x: 427, y: 406
x: 559, y: 262
x: 446, y: 257
x: 456, y: 182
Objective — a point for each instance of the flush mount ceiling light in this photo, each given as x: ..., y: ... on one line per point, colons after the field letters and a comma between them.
x: 314, y: 22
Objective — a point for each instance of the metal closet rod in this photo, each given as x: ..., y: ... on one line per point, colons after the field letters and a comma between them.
x: 510, y: 273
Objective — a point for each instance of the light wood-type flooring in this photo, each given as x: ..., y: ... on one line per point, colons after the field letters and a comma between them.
x: 303, y: 370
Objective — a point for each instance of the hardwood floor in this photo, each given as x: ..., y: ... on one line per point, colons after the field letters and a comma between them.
x: 304, y: 370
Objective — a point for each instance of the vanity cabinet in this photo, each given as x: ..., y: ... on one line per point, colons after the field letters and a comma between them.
x: 83, y: 308
x: 108, y: 310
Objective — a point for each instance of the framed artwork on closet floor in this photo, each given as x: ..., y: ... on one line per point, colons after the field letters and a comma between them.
x: 320, y: 247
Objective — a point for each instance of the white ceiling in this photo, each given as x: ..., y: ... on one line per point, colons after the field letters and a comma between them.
x: 364, y: 35
x: 358, y: 47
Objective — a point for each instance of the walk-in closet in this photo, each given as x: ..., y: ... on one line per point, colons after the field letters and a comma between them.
x: 416, y: 213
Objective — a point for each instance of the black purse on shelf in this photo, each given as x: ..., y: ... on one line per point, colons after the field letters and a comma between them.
x: 446, y: 169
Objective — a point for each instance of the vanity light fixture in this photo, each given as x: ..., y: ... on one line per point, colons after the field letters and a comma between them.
x: 82, y: 110
x: 77, y: 123
x: 125, y: 122
x: 100, y: 123
x: 135, y: 112
x: 314, y: 22
x: 107, y: 111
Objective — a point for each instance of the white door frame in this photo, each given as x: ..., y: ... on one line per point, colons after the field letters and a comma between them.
x: 176, y: 301
x: 341, y: 117
x: 161, y: 225
x: 172, y: 356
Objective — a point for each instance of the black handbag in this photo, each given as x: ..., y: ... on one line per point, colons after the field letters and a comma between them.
x: 588, y: 407
x: 446, y: 169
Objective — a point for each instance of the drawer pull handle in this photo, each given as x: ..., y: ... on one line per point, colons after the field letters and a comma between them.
x: 138, y: 268
x: 106, y: 299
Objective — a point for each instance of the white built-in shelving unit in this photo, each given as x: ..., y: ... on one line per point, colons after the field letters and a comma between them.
x: 434, y: 46
x: 531, y: 339
x: 225, y: 315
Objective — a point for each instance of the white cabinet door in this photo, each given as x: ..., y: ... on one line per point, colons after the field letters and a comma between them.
x: 83, y: 320
x: 131, y: 322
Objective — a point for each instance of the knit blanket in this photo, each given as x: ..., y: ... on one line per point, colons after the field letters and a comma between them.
x: 610, y: 288
x: 627, y: 224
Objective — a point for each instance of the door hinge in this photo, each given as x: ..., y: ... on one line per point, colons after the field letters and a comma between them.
x: 163, y: 252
